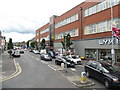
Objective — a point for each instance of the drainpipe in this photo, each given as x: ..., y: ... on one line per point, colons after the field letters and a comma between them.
x: 80, y: 22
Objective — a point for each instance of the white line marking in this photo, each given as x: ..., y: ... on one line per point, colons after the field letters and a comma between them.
x: 37, y: 59
x: 44, y: 62
x: 52, y: 67
x: 73, y: 69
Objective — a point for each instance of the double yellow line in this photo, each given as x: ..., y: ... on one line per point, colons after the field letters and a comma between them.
x: 18, y: 71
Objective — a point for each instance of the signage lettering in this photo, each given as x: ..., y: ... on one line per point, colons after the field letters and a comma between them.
x: 109, y: 41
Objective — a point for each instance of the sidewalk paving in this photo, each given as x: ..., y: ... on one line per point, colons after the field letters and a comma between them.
x: 75, y: 79
x: 8, y: 66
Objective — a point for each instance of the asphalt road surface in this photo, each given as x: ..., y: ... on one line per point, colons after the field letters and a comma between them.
x: 36, y: 74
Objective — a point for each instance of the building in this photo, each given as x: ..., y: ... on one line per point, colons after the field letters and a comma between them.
x: 2, y: 42
x: 89, y: 25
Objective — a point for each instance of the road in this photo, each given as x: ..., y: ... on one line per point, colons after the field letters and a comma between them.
x: 38, y: 74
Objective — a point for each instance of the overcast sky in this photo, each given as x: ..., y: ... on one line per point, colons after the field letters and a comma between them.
x: 20, y: 18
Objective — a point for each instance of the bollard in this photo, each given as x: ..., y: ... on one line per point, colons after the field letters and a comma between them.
x: 83, y: 77
x: 62, y: 66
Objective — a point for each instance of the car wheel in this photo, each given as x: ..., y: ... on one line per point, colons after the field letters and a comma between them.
x: 88, y: 74
x: 107, y: 84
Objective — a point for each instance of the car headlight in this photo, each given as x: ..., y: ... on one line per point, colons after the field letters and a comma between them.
x: 115, y: 79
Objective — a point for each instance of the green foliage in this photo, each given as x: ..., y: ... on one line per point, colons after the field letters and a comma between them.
x: 28, y: 43
x: 43, y: 44
x: 10, y: 44
x: 63, y: 44
x: 33, y: 44
x: 66, y: 43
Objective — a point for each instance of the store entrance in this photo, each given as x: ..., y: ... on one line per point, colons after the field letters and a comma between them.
x: 90, y: 54
x: 105, y: 54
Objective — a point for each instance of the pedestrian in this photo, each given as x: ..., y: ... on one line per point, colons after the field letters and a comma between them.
x: 10, y: 52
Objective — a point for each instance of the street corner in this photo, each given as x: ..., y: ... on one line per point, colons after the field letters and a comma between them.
x: 88, y: 83
x: 76, y: 80
x: 16, y: 73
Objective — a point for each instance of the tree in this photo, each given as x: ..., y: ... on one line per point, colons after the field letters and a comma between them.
x: 67, y: 42
x: 33, y: 44
x: 28, y: 43
x: 43, y: 44
x: 10, y: 44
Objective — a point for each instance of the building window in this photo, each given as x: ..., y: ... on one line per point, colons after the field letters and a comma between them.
x: 86, y: 12
x: 86, y: 31
x: 104, y: 6
x: 76, y: 17
x: 67, y: 21
x: 109, y: 25
x: 44, y: 31
x: 100, y: 6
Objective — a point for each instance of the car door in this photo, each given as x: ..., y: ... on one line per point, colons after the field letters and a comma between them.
x: 99, y: 74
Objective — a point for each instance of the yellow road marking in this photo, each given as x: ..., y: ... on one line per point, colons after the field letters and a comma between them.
x: 14, y: 75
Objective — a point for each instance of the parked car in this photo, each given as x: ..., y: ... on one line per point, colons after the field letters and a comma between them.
x: 21, y: 51
x: 66, y: 61
x: 75, y: 59
x: 104, y: 72
x: 43, y: 51
x: 36, y: 51
x: 16, y: 53
x: 45, y: 57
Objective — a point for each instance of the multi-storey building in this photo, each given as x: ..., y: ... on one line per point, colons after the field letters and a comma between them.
x: 89, y: 25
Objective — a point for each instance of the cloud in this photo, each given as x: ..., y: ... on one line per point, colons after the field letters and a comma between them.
x: 26, y: 16
x: 18, y: 24
x: 18, y: 37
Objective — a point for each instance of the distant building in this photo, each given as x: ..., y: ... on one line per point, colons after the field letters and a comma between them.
x: 2, y: 42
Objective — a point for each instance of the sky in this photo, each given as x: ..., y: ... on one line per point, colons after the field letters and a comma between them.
x: 20, y: 18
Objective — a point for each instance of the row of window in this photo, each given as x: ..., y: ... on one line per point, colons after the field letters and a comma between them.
x: 101, y: 26
x: 47, y: 38
x: 67, y: 21
x: 44, y: 31
x: 73, y: 33
x: 100, y: 6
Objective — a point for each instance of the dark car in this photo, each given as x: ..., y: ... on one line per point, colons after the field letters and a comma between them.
x: 67, y: 62
x: 21, y: 51
x: 104, y: 72
x: 16, y: 53
x: 45, y: 57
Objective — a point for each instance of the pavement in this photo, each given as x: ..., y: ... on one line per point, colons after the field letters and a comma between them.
x: 75, y: 79
x: 8, y: 66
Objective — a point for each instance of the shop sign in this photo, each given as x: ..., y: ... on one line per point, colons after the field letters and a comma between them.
x: 109, y: 41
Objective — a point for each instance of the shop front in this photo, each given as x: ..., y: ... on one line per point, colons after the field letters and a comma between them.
x: 99, y: 49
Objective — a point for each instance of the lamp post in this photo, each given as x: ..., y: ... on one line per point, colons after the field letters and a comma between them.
x: 112, y: 50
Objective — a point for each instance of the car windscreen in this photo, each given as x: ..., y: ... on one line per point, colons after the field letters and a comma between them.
x: 110, y: 68
x: 74, y: 57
